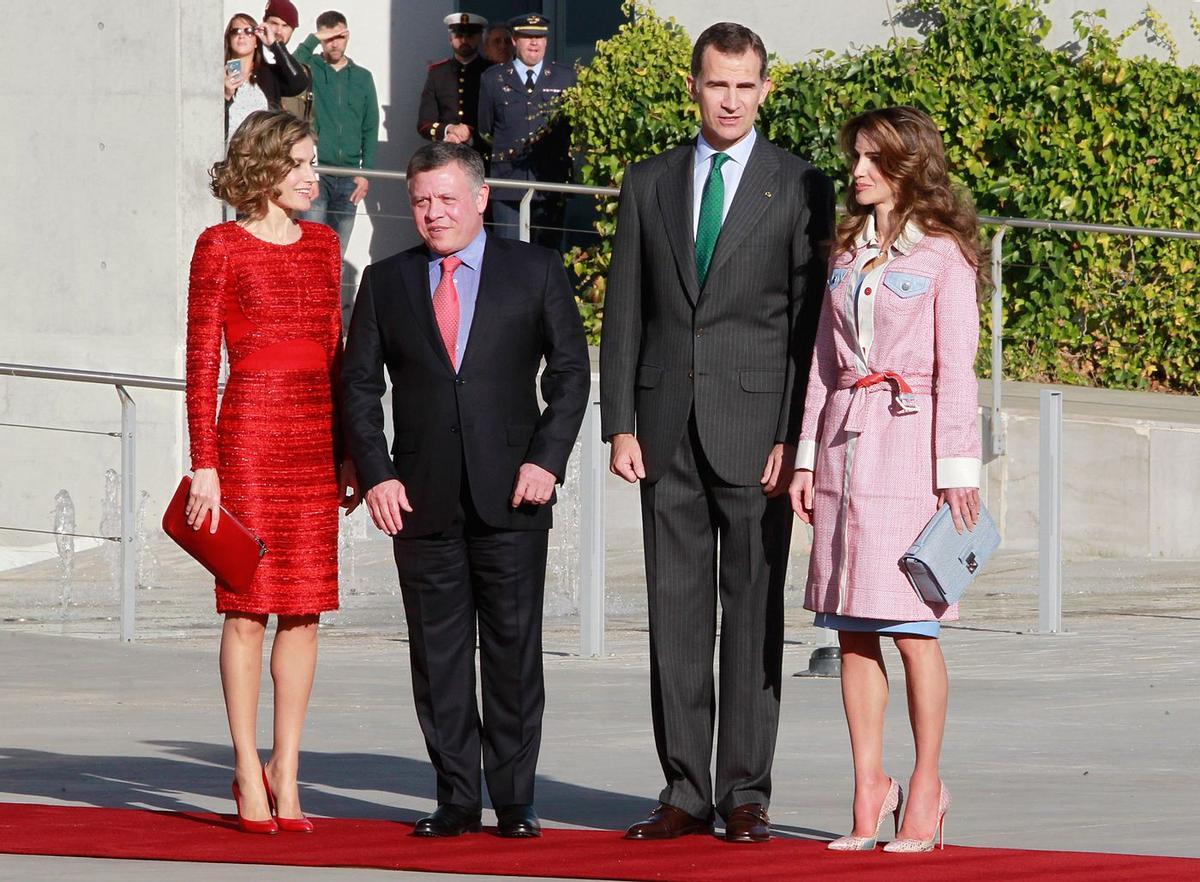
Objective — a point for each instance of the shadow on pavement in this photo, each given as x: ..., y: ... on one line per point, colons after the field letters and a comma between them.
x: 172, y: 783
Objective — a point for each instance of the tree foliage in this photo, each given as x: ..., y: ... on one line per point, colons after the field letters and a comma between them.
x: 1080, y: 134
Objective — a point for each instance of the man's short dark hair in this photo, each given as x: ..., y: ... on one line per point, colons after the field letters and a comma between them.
x: 439, y: 154
x: 330, y: 19
x: 729, y: 38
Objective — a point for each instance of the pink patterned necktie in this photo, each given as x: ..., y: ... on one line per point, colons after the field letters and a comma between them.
x: 445, y: 307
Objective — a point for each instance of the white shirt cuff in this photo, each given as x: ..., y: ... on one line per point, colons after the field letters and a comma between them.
x: 806, y: 455
x: 957, y: 471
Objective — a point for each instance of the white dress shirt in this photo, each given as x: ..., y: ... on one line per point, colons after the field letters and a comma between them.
x: 731, y: 172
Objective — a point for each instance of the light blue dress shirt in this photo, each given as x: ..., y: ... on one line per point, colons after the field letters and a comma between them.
x: 731, y: 172
x: 520, y: 67
x: 466, y: 280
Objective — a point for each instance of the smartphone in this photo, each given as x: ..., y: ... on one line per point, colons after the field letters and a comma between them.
x: 233, y: 67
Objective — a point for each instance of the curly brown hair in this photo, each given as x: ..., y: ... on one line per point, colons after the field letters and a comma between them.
x: 258, y: 158
x: 913, y: 160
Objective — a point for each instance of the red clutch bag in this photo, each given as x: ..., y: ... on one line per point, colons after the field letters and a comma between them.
x: 231, y: 554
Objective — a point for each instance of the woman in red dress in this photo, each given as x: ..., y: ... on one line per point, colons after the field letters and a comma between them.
x: 271, y: 286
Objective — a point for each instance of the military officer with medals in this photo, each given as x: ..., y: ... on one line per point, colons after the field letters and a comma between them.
x: 450, y: 99
x: 520, y: 114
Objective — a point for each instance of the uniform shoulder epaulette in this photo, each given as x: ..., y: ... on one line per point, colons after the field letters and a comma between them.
x: 438, y: 63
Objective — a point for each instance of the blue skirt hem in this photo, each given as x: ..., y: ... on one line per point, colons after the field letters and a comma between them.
x: 836, y: 622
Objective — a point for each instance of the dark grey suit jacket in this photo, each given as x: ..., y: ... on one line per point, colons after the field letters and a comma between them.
x: 738, y: 350
x: 484, y: 419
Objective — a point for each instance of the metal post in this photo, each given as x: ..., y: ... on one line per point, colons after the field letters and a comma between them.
x: 128, y: 513
x: 1050, y: 514
x: 526, y: 202
x: 592, y: 469
x: 826, y: 659
x: 997, y: 342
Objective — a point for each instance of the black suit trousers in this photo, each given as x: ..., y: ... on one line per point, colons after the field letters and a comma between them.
x: 707, y: 539
x: 468, y: 573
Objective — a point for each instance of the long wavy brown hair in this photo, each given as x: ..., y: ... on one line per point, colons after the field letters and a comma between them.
x: 258, y: 159
x: 241, y: 19
x: 912, y: 158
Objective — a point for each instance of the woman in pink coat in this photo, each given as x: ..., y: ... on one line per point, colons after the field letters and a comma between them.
x: 890, y: 433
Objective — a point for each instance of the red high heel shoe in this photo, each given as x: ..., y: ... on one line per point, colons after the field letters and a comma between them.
x: 245, y: 824
x: 288, y: 825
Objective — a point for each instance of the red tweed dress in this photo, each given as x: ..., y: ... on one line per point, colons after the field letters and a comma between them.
x: 274, y: 444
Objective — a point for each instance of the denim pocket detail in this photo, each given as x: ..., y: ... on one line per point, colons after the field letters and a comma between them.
x: 906, y: 285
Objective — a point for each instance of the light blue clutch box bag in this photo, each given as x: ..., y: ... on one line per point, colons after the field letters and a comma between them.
x: 942, y: 562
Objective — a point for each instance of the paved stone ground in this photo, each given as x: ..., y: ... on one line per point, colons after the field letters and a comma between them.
x: 1080, y: 741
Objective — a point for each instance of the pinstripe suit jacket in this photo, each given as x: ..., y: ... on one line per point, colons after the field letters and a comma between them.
x: 737, y: 351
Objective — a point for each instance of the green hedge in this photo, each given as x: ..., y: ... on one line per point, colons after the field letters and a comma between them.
x: 1081, y: 136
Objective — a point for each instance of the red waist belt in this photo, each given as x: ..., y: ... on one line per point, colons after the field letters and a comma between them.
x: 904, y: 396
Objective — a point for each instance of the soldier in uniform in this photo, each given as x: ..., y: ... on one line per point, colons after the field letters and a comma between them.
x: 450, y: 99
x: 520, y: 114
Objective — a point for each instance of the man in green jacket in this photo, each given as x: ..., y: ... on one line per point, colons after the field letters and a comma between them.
x: 347, y: 124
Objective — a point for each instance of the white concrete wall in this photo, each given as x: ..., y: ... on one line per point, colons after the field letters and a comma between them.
x: 1131, y: 472
x: 107, y: 134
x: 793, y: 29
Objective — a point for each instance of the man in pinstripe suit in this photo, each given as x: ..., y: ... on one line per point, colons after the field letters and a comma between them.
x: 713, y: 298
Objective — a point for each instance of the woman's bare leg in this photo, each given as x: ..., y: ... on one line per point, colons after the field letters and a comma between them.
x: 865, y: 696
x: 293, y: 665
x: 928, y: 686
x: 241, y: 673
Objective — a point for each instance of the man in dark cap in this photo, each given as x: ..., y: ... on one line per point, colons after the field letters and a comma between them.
x: 450, y: 100
x: 520, y: 113
x: 281, y: 19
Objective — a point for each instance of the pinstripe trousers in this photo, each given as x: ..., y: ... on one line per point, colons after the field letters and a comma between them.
x: 706, y: 539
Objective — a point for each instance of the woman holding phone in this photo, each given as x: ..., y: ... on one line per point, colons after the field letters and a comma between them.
x: 890, y: 434
x: 250, y: 82
x: 269, y: 287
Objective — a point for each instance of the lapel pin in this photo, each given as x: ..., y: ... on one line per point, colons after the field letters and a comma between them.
x: 767, y: 193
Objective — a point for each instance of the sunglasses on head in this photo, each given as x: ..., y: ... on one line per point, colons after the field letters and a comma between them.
x: 233, y: 32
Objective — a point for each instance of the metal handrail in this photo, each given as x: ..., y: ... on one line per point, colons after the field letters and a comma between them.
x: 104, y: 378
x: 493, y: 183
x: 588, y: 190
x: 1074, y: 227
x: 128, y: 436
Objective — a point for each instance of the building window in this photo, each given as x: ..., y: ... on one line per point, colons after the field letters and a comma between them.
x: 575, y: 26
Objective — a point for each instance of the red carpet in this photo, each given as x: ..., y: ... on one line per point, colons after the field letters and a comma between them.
x: 127, y: 833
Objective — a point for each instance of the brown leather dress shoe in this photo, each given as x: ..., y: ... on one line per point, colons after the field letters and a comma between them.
x: 668, y: 822
x: 748, y: 823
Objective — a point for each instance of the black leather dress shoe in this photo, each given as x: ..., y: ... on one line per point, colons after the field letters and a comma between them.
x: 748, y: 823
x: 518, y: 822
x: 668, y: 822
x: 449, y: 820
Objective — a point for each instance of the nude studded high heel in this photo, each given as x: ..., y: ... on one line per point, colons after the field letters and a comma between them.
x: 891, y: 803
x: 911, y: 846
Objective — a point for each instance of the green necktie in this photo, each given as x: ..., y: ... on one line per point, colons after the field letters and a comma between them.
x: 712, y: 203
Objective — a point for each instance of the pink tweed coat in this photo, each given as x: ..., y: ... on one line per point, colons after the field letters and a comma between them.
x: 877, y: 465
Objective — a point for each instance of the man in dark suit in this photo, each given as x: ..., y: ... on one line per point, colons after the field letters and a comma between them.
x: 449, y: 108
x: 520, y: 114
x: 712, y: 305
x: 462, y: 324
